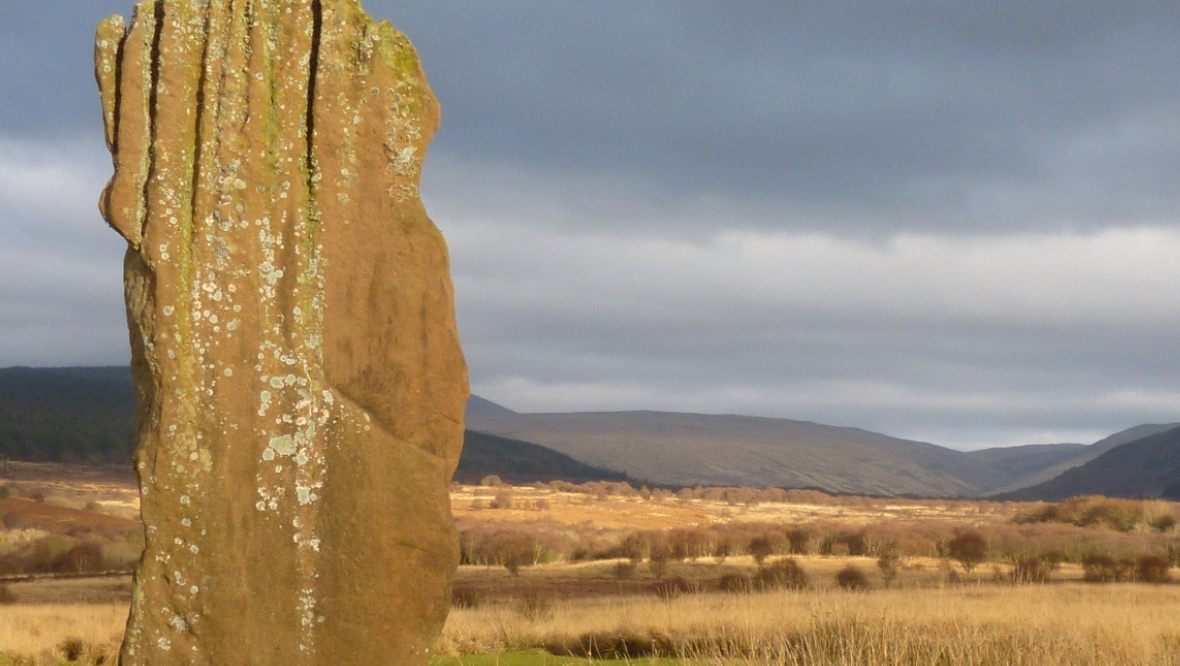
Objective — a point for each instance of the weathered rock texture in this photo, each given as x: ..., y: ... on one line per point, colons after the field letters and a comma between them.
x: 294, y: 347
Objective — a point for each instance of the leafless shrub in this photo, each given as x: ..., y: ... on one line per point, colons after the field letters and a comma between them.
x: 82, y: 557
x: 688, y: 543
x: 634, y: 547
x: 852, y: 578
x: 722, y: 549
x: 503, y: 500
x: 889, y: 564
x: 1163, y: 523
x: 969, y: 548
x: 1118, y: 514
x: 784, y: 574
x: 734, y: 582
x: 1032, y: 569
x: 799, y: 540
x: 1104, y: 568
x: 464, y: 597
x: 673, y: 587
x: 534, y: 605
x: 1153, y: 568
x: 760, y: 548
x: 71, y: 649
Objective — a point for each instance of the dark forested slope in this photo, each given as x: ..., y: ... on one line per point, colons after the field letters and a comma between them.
x: 88, y: 415
x: 515, y: 461
x: 1147, y: 467
x: 67, y: 414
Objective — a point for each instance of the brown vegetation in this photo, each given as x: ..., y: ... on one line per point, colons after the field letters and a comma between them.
x: 1106, y: 626
x: 539, y: 562
x: 890, y: 531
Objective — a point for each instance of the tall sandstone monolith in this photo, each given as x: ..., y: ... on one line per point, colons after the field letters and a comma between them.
x: 301, y: 384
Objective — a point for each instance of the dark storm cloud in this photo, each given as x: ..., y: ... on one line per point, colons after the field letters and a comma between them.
x: 46, y: 65
x: 850, y: 116
x: 843, y: 116
x: 944, y: 220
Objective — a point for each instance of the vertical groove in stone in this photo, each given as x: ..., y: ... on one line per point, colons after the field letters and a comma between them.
x: 199, y: 124
x: 153, y: 100
x: 317, y: 27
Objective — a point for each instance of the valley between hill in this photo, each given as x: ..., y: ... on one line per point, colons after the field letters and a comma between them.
x: 88, y: 415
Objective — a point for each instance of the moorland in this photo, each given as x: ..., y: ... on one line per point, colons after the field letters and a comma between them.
x: 657, y: 538
x: 88, y: 414
x: 606, y: 572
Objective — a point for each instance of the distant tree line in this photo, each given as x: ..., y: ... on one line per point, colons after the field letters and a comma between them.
x: 1029, y: 552
x: 87, y: 415
x: 67, y: 414
x: 515, y: 461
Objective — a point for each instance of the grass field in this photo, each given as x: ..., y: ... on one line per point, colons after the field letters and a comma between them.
x: 50, y: 633
x: 971, y: 625
x: 1058, y: 624
x: 582, y: 595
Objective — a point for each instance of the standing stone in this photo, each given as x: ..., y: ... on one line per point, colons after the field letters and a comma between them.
x: 301, y: 385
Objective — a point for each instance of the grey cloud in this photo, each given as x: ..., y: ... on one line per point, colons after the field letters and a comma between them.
x: 60, y: 266
x: 556, y: 322
x: 596, y: 158
x: 862, y: 115
x: 852, y: 117
x: 46, y: 64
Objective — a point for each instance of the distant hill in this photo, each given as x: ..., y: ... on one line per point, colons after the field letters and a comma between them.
x: 477, y: 407
x: 515, y: 461
x: 1024, y: 465
x: 88, y: 415
x: 1033, y: 459
x: 1147, y: 467
x: 689, y: 449
x: 67, y: 414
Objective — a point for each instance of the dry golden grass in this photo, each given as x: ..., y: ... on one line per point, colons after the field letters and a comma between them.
x: 41, y: 634
x: 969, y: 625
x: 567, y: 606
x: 1124, y: 625
x: 470, y: 503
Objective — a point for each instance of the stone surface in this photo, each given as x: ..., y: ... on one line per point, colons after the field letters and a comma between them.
x: 300, y: 379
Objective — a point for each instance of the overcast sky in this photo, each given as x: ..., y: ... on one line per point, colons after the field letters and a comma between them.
x: 957, y: 222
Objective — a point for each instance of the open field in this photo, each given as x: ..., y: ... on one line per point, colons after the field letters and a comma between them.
x: 605, y: 505
x: 1056, y: 624
x: 558, y: 574
x: 51, y: 633
x: 112, y: 491
x: 1067, y: 623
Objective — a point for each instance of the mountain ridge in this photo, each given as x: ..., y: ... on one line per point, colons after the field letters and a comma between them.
x: 88, y: 414
x: 1148, y: 467
x: 1087, y: 454
x: 726, y: 449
